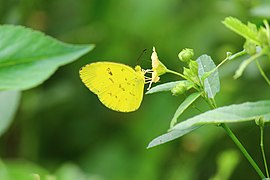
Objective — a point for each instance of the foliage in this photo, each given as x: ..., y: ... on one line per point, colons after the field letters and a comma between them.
x: 257, y: 45
x: 27, y: 58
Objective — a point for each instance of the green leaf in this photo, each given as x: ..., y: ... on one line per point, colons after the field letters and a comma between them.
x: 24, y: 170
x: 211, y: 83
x: 245, y: 63
x: 163, y: 87
x: 248, y: 111
x: 9, y: 101
x: 27, y: 57
x: 183, y: 106
x: 243, y: 30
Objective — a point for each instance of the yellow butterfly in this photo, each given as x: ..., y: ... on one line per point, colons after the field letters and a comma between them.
x: 118, y: 86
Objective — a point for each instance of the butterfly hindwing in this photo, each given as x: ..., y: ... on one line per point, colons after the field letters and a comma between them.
x: 118, y: 86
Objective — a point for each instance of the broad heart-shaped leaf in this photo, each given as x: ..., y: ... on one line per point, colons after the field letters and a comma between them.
x: 183, y: 106
x: 228, y: 114
x: 27, y: 57
x: 9, y: 101
x: 243, y: 30
x: 163, y: 87
x: 211, y: 83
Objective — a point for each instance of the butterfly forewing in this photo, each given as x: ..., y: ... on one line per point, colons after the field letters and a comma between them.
x: 118, y: 86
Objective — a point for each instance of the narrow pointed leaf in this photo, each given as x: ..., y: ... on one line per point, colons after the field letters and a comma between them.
x: 27, y: 57
x: 183, y: 106
x: 248, y: 111
x: 163, y: 87
x: 211, y: 83
x: 243, y: 30
x: 9, y: 101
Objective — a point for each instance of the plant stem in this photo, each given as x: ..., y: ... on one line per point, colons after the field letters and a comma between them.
x: 241, y: 53
x: 177, y: 73
x: 263, y: 153
x: 245, y: 63
x: 243, y: 150
x: 262, y: 72
x: 237, y: 142
x: 184, y: 77
x: 236, y: 55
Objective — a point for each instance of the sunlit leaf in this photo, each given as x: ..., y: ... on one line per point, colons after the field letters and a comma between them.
x: 228, y: 114
x: 243, y: 30
x: 211, y: 83
x: 9, y: 101
x: 27, y: 57
x: 163, y: 87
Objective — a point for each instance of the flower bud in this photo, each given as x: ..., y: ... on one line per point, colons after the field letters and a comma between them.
x: 181, y: 87
x: 193, y: 66
x: 186, y: 54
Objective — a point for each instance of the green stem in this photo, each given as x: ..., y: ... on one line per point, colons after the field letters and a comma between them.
x: 212, y: 104
x: 245, y: 63
x: 184, y: 77
x: 263, y: 153
x: 176, y: 73
x: 236, y: 55
x: 262, y: 72
x: 243, y: 150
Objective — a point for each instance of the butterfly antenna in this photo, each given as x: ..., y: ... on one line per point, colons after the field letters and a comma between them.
x: 139, y: 58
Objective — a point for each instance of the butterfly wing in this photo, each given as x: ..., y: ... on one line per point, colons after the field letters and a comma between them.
x: 118, y: 86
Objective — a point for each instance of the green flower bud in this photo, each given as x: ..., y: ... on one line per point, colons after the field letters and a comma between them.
x: 181, y: 87
x: 192, y: 72
x: 186, y: 54
x: 193, y: 66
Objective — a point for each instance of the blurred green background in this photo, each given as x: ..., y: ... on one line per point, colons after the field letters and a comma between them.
x: 61, y: 121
